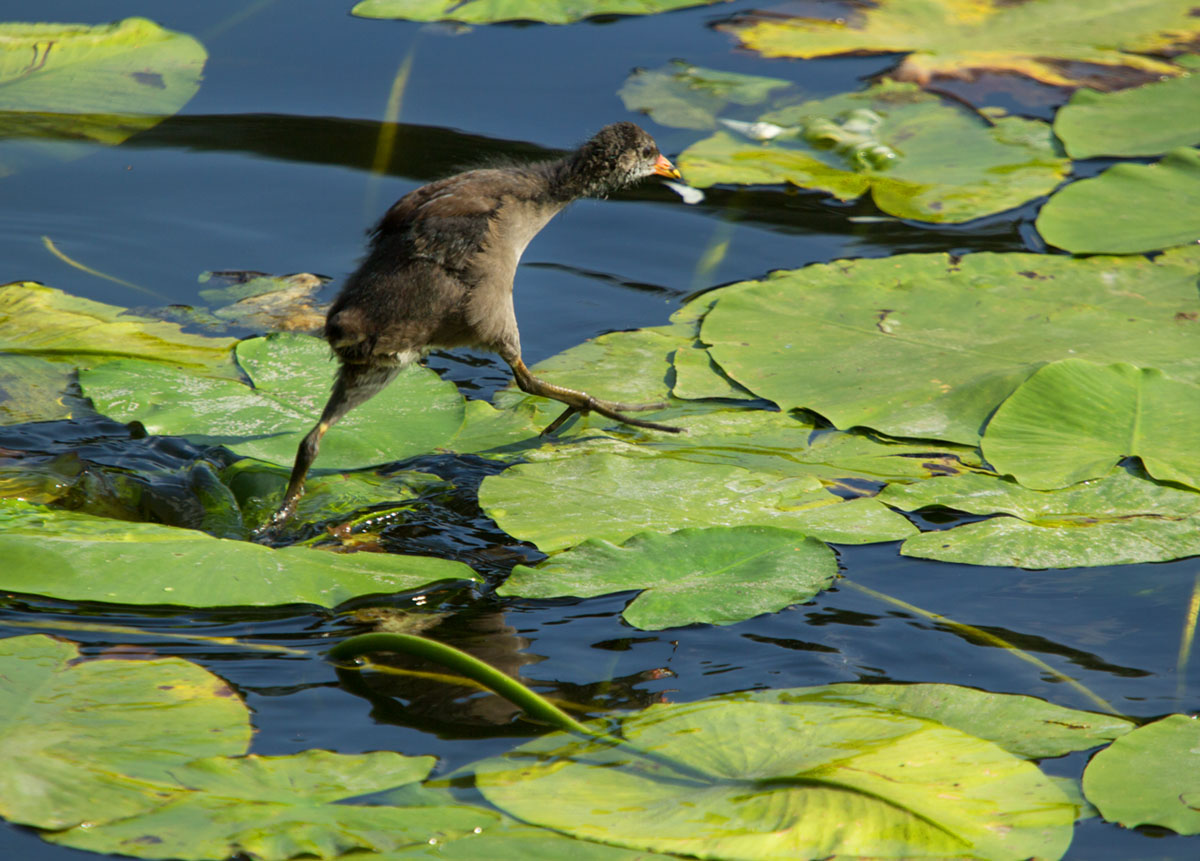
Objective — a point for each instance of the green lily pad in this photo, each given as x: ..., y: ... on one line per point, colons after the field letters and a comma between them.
x: 79, y: 557
x: 1129, y: 208
x: 1025, y: 726
x: 691, y: 97
x: 1117, y: 520
x: 1073, y: 420
x: 40, y: 321
x: 966, y: 38
x: 75, y: 750
x: 1150, y: 776
x: 919, y: 157
x: 291, y: 376
x: 886, y: 785
x: 71, y: 82
x: 715, y: 576
x: 491, y: 11
x: 279, y: 807
x: 559, y: 503
x: 926, y: 346
x: 1146, y: 120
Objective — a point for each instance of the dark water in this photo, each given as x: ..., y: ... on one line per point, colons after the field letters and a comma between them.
x: 267, y: 168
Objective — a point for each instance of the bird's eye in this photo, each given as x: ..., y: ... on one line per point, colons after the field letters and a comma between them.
x: 647, y: 150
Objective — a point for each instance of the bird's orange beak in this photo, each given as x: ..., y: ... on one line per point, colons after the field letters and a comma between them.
x: 663, y: 167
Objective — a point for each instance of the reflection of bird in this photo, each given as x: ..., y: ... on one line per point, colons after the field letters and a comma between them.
x: 440, y: 270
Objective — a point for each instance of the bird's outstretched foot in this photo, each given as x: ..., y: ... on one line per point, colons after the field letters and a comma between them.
x: 613, y: 411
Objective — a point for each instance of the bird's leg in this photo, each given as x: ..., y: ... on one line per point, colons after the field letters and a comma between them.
x: 581, y: 402
x: 356, y: 383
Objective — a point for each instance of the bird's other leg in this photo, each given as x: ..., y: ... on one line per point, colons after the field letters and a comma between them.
x: 355, y: 384
x: 581, y: 402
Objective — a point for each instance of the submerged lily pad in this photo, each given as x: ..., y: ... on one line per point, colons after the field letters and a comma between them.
x: 690, y: 97
x: 1146, y: 120
x: 927, y: 346
x: 1150, y: 776
x: 79, y: 557
x: 716, y: 576
x: 741, y: 780
x: 62, y: 83
x: 1047, y: 40
x: 1129, y: 208
x: 1073, y: 420
x: 74, y: 749
x: 1117, y: 520
x: 40, y: 321
x: 292, y: 376
x: 1025, y: 726
x: 559, y: 503
x: 919, y: 157
x: 258, y: 488
x: 34, y: 390
x: 280, y: 807
x: 491, y: 11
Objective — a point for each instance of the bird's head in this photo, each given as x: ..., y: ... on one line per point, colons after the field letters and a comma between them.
x: 619, y: 155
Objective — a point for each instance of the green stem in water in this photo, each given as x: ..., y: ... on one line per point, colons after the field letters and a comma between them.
x: 534, y: 705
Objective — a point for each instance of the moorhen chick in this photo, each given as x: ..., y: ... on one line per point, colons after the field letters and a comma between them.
x: 439, y: 273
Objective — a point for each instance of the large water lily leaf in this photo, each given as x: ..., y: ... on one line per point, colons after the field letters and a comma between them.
x: 79, y: 557
x: 1146, y: 120
x: 74, y: 750
x: 690, y: 97
x: 1150, y: 776
x: 1073, y: 420
x: 598, y: 494
x: 291, y: 376
x: 1025, y: 726
x: 716, y: 576
x: 1053, y: 41
x: 280, y: 807
x: 40, y: 321
x: 1128, y: 208
x: 1112, y: 521
x: 927, y: 346
x: 886, y: 785
x: 919, y: 157
x: 491, y: 11
x: 71, y: 82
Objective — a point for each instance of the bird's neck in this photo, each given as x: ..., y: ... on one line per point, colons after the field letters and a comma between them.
x: 577, y: 175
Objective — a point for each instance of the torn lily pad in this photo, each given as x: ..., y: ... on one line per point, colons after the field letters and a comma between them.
x: 1117, y: 520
